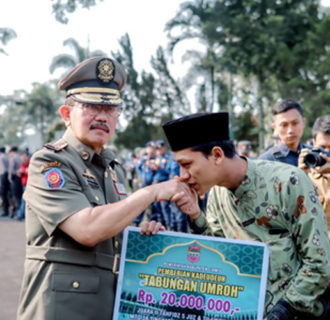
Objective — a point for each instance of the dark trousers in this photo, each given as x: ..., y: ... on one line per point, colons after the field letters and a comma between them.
x: 5, y: 191
x: 16, y: 190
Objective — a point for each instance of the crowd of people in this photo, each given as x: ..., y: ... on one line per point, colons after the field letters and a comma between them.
x: 13, y: 179
x: 77, y: 202
x: 154, y: 163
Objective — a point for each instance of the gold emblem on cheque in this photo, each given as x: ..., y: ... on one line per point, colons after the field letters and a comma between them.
x: 105, y: 70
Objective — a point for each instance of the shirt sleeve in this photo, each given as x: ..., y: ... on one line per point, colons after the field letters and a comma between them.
x: 309, y: 229
x: 53, y: 190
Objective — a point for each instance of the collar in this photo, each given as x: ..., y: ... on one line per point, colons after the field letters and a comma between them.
x: 286, y: 150
x: 85, y: 152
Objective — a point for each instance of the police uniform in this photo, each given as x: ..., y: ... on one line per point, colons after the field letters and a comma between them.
x: 283, y: 153
x: 145, y: 171
x: 162, y: 208
x: 62, y: 278
x: 178, y: 218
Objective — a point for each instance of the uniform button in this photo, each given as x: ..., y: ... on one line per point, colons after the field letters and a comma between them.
x: 75, y: 284
x: 116, y: 244
x: 97, y: 198
x: 106, y: 174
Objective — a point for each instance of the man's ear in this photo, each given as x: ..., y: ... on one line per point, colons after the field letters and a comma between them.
x: 65, y: 112
x: 217, y: 153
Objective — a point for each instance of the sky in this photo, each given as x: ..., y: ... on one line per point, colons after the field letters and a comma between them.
x: 40, y: 37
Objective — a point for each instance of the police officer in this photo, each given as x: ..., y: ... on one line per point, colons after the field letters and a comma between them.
x: 162, y: 209
x: 178, y: 218
x: 146, y: 169
x: 76, y: 205
x: 288, y: 124
x: 4, y: 181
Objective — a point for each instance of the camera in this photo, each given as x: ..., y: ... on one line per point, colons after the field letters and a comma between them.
x: 313, y: 159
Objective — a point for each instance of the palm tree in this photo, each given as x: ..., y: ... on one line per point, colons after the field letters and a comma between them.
x: 68, y: 61
x: 190, y: 20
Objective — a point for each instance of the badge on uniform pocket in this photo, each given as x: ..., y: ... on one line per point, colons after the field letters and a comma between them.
x: 120, y: 188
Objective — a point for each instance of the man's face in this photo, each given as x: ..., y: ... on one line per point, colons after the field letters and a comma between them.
x: 322, y: 140
x: 93, y: 129
x: 196, y: 170
x: 289, y: 126
x: 151, y: 151
x: 160, y: 151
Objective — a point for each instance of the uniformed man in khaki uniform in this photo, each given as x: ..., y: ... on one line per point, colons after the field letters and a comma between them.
x: 76, y: 204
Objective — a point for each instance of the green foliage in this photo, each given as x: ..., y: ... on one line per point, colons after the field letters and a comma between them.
x: 6, y: 34
x: 253, y: 52
x: 58, y: 126
x: 68, y: 61
x: 137, y: 133
x: 280, y: 47
x: 245, y: 127
x: 41, y: 107
x: 150, y: 98
x: 62, y: 7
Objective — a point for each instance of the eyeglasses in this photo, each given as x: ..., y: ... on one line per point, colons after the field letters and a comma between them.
x: 94, y: 109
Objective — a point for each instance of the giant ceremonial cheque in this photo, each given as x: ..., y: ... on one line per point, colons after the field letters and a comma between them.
x: 185, y: 276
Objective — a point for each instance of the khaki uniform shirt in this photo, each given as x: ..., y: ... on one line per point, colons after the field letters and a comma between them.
x: 62, y: 278
x: 277, y: 204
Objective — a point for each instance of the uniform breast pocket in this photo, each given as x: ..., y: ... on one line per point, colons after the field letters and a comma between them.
x: 76, y: 295
x: 95, y: 197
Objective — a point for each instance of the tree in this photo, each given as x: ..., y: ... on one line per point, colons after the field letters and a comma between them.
x: 13, y: 119
x: 265, y: 41
x: 62, y: 7
x: 68, y: 61
x: 150, y: 98
x: 187, y: 25
x: 41, y: 107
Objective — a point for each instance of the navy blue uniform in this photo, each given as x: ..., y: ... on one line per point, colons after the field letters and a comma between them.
x: 283, y: 153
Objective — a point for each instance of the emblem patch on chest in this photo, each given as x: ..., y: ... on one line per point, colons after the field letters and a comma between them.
x: 120, y: 189
x: 54, y: 178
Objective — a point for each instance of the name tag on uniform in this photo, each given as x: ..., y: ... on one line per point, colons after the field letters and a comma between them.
x: 120, y: 188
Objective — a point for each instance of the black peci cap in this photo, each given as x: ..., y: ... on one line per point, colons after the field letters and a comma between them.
x: 197, y: 129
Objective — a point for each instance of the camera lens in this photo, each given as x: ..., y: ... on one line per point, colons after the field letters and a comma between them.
x: 313, y: 159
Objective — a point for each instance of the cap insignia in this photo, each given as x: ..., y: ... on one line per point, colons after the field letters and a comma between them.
x: 105, y: 70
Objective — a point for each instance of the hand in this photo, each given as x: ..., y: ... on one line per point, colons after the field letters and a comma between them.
x: 187, y: 202
x: 326, y: 167
x: 151, y: 227
x: 166, y: 190
x: 301, y: 163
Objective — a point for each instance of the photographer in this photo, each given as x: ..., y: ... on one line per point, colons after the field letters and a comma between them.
x: 320, y: 174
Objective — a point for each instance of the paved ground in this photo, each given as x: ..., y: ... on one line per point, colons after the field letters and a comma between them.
x: 12, y: 252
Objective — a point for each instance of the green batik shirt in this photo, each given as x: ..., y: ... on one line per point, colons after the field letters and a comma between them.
x: 277, y: 204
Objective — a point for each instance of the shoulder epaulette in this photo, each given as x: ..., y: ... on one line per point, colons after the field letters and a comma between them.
x: 277, y: 152
x: 117, y: 161
x: 57, y: 146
